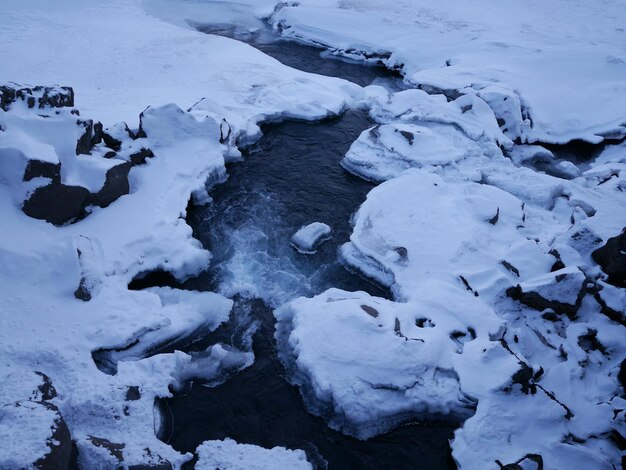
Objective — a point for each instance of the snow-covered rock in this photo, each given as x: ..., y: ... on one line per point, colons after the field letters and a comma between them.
x: 309, y: 237
x: 561, y: 291
x: 612, y: 258
x: 42, y: 439
x: 366, y: 364
x: 45, y: 156
x: 383, y: 152
x: 229, y: 455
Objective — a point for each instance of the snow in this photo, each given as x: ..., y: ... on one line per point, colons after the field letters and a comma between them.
x: 366, y: 366
x: 309, y: 237
x: 468, y: 219
x: 229, y: 455
x: 552, y: 72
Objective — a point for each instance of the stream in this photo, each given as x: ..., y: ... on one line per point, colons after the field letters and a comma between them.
x: 289, y: 178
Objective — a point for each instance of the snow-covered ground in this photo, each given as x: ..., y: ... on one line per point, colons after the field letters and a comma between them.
x: 499, y: 312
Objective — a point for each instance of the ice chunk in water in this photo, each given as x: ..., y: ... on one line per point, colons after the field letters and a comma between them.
x: 308, y: 238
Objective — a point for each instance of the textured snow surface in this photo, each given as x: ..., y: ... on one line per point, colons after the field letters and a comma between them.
x: 229, y: 455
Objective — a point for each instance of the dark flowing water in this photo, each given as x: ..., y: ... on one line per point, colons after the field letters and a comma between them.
x: 289, y: 178
x: 308, y: 58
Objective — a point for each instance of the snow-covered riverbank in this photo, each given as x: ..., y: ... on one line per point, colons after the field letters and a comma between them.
x: 499, y: 304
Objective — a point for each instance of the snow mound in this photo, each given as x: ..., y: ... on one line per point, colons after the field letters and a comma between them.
x: 230, y: 455
x: 367, y: 364
x: 308, y: 238
x: 383, y: 152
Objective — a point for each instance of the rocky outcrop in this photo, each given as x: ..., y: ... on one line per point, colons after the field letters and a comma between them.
x: 57, y: 203
x: 612, y: 259
x: 41, y: 96
x: 36, y: 164
x: 47, y: 444
x: 561, y: 291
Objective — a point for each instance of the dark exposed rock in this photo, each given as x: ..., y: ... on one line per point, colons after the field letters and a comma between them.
x: 535, y: 458
x: 558, y: 263
x: 561, y: 291
x: 7, y: 96
x: 614, y: 310
x: 82, y: 292
x: 133, y: 393
x: 225, y: 131
x: 371, y: 311
x: 60, y: 445
x: 494, y: 219
x: 113, y: 448
x: 510, y: 267
x: 450, y: 93
x: 56, y: 97
x: 468, y: 286
x: 140, y: 157
x: 39, y: 168
x: 115, y: 185
x: 53, y: 97
x: 409, y: 136
x: 612, y: 259
x: 158, y: 466
x: 111, y: 141
x: 57, y: 203
x: 97, y: 134
x: 83, y: 144
x: 47, y: 390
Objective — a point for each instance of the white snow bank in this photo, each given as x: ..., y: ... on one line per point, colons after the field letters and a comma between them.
x: 542, y: 86
x: 229, y: 455
x: 309, y: 237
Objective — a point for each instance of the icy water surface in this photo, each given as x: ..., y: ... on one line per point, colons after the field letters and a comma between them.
x: 289, y: 178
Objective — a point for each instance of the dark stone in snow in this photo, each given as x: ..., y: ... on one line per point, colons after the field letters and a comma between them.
x: 60, y: 444
x: 82, y: 292
x: 83, y: 144
x: 561, y: 291
x: 56, y: 97
x: 536, y: 459
x: 139, y: 158
x: 113, y: 448
x: 111, y: 141
x: 612, y: 259
x: 97, y: 134
x: 52, y: 97
x: 57, y: 203
x: 48, y: 392
x: 158, y: 466
x: 115, y: 185
x: 39, y: 168
x: 133, y: 394
x: 408, y: 136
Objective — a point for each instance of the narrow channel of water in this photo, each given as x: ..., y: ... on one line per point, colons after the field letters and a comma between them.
x: 305, y: 57
x: 289, y: 178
